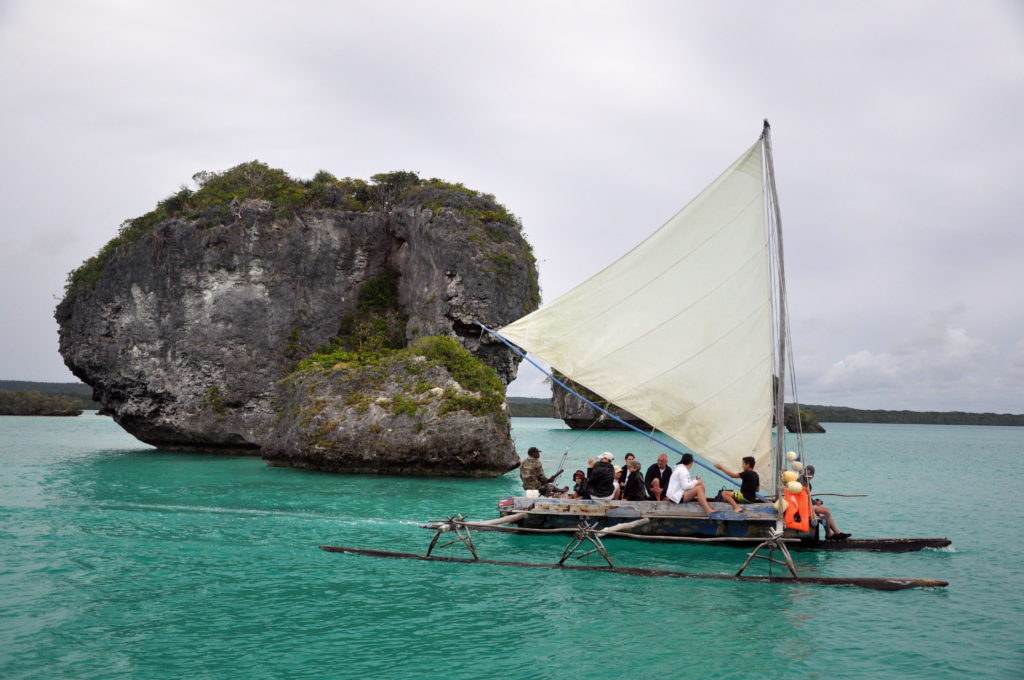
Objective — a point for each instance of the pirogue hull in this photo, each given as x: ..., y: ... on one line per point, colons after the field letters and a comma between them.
x: 681, y: 522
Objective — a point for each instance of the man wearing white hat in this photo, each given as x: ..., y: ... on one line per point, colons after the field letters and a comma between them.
x: 601, y: 477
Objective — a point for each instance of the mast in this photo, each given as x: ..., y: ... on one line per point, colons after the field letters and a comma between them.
x: 780, y: 396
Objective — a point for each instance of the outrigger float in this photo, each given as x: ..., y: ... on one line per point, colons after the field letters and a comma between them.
x: 688, y: 331
x: 588, y: 533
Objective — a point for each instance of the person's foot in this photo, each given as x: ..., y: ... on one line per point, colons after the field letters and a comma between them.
x: 840, y: 536
x: 738, y: 509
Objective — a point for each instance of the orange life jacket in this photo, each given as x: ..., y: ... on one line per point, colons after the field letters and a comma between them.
x: 798, y: 512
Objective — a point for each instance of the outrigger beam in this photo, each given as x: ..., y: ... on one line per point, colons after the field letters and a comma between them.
x: 585, y: 532
x: 590, y: 532
x: 457, y: 524
x: 774, y: 542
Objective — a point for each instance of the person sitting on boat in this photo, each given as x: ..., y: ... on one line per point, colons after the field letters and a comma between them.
x: 660, y: 472
x: 532, y: 474
x: 579, y: 489
x: 750, y: 484
x: 682, y: 488
x: 633, y: 488
x: 627, y: 459
x: 601, y: 477
x: 617, y: 481
x: 832, y: 532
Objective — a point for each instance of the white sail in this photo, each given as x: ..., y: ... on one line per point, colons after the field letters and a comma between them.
x: 679, y: 330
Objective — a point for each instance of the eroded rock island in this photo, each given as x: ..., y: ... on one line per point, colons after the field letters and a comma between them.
x: 328, y: 324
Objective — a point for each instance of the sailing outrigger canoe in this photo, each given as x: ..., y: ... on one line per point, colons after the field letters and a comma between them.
x: 688, y: 331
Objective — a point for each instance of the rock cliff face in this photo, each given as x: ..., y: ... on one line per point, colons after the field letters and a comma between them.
x: 187, y: 323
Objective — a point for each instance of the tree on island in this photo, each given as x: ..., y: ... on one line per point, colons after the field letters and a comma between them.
x: 37, y: 404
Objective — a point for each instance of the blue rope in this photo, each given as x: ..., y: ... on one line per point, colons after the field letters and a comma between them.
x: 606, y: 412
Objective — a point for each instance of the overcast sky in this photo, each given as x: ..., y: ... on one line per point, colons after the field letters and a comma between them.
x: 898, y: 130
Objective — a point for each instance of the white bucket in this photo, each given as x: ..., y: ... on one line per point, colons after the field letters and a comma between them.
x: 533, y: 493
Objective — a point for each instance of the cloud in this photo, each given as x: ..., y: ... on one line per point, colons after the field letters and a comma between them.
x: 896, y: 128
x: 943, y: 367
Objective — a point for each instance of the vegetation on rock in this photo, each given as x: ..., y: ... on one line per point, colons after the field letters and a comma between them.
x: 221, y: 198
x: 366, y: 371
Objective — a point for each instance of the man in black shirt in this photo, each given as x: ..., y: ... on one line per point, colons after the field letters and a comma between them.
x: 661, y: 472
x: 749, y: 484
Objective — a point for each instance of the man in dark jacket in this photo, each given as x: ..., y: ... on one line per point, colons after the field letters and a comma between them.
x: 661, y: 472
x: 601, y: 477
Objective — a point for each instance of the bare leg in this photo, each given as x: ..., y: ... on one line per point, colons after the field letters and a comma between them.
x: 698, y: 493
x: 727, y: 495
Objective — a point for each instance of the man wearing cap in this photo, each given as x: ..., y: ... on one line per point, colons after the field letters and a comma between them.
x: 633, y: 488
x: 532, y: 474
x: 832, y: 531
x: 601, y: 477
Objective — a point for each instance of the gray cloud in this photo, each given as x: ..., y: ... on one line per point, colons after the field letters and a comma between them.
x: 896, y: 126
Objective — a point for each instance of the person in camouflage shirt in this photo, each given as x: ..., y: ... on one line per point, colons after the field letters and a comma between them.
x: 532, y: 474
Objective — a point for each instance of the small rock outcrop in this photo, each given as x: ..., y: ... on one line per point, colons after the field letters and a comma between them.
x: 579, y: 415
x: 192, y: 324
x: 803, y: 421
x: 430, y: 409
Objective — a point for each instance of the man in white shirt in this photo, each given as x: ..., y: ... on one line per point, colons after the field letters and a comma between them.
x: 682, y: 488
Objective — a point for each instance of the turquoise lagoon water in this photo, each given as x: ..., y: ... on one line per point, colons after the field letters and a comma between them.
x: 120, y: 561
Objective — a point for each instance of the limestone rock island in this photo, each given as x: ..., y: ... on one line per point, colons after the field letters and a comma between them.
x: 327, y: 324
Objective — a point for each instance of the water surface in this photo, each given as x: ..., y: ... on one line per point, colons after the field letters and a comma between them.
x: 120, y: 561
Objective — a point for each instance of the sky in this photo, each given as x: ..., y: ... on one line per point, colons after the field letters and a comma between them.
x: 898, y: 130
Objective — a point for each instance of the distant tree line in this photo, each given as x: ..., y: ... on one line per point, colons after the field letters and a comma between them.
x: 79, y: 394
x: 38, y: 404
x: 843, y: 414
x: 528, y: 407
